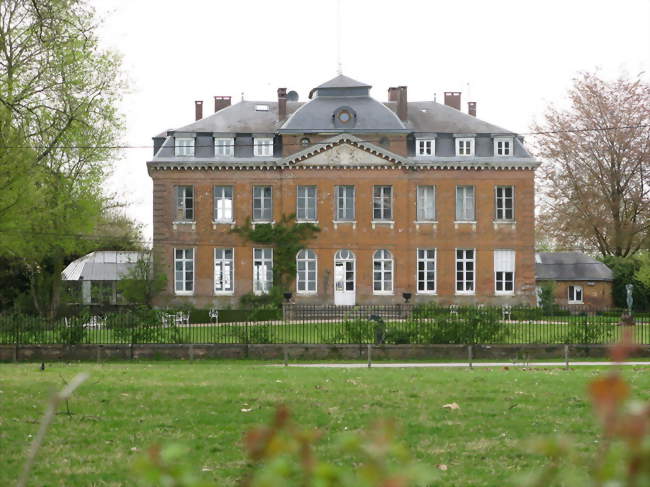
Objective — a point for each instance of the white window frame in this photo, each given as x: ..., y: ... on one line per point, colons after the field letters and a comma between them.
x: 223, y: 213
x: 425, y: 147
x: 309, y: 203
x: 504, y: 264
x: 467, y: 286
x: 383, y: 263
x: 421, y: 200
x: 423, y: 256
x: 310, y: 260
x: 181, y: 204
x: 379, y: 203
x: 184, y: 146
x: 187, y: 266
x: 262, y: 261
x: 504, y: 147
x: 464, y: 215
x: 224, y: 266
x: 571, y: 296
x: 500, y: 203
x: 341, y: 208
x: 461, y: 144
x: 263, y: 146
x: 263, y: 206
x: 224, y: 146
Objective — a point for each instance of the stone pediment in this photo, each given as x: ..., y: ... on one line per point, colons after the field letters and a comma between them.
x: 345, y: 151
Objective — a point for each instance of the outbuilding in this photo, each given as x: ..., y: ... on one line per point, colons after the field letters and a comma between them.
x: 580, y: 280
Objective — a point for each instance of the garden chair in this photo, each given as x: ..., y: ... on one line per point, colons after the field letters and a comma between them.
x: 453, y: 309
x: 182, y: 318
x: 167, y: 319
x: 506, y: 312
x: 214, y: 315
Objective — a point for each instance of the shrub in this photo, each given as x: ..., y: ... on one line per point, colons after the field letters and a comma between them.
x: 587, y: 331
x: 476, y: 326
x: 402, y: 336
x: 142, y: 325
x: 72, y: 331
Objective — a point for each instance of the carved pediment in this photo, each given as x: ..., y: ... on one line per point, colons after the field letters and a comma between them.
x: 345, y: 154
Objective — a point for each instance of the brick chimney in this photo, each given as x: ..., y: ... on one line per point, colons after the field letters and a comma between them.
x: 393, y: 93
x: 402, y: 104
x: 471, y: 108
x: 198, y: 109
x: 282, y: 103
x: 221, y: 102
x: 452, y: 99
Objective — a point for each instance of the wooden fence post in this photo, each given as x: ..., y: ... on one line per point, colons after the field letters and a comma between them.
x: 469, y: 355
x: 369, y: 355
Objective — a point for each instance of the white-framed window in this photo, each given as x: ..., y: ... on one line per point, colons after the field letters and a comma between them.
x: 505, y: 203
x: 503, y: 146
x: 306, y: 203
x: 425, y: 147
x: 345, y: 203
x: 504, y: 271
x: 224, y: 146
x: 224, y: 278
x: 464, y: 146
x: 382, y: 272
x: 223, y: 199
x: 575, y: 295
x: 263, y: 146
x: 306, y: 271
x: 426, y: 278
x: 262, y: 203
x: 465, y: 204
x: 262, y: 270
x: 184, y: 271
x: 184, y: 203
x: 465, y: 271
x: 426, y: 203
x: 382, y: 203
x: 184, y: 146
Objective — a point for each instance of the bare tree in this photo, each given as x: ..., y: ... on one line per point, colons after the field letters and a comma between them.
x: 596, y: 153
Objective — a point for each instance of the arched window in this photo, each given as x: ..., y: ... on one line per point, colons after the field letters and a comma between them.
x: 382, y: 275
x: 306, y: 264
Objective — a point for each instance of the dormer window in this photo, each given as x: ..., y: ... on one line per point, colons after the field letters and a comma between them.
x: 503, y: 146
x: 261, y: 108
x: 465, y: 146
x: 263, y: 147
x: 224, y: 147
x: 184, y: 146
x: 425, y: 147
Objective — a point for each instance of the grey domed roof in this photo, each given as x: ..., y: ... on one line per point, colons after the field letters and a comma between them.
x: 343, y: 94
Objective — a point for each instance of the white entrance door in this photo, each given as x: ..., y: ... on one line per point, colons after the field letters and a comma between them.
x: 344, y: 293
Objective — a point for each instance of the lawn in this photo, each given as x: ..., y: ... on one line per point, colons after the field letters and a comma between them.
x: 124, y: 408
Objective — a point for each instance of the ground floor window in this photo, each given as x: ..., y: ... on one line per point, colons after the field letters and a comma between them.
x: 306, y: 272
x: 223, y: 271
x: 184, y: 271
x: 426, y: 274
x: 575, y: 295
x: 262, y: 270
x: 504, y: 271
x: 382, y: 265
x: 465, y: 260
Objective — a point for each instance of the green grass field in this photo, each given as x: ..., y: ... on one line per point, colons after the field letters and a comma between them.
x: 124, y: 408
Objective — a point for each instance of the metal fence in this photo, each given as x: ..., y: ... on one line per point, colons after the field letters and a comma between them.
x: 303, y: 324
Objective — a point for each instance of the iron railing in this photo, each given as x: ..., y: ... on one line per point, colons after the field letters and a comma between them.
x: 305, y: 324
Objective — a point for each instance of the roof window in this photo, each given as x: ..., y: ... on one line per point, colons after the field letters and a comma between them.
x: 261, y: 108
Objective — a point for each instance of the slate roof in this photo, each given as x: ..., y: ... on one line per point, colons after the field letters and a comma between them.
x: 570, y: 266
x: 342, y: 81
x: 242, y: 117
x: 429, y: 116
x: 101, y: 266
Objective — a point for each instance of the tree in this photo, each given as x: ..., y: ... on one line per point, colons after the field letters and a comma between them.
x: 143, y: 282
x: 59, y: 94
x: 596, y: 164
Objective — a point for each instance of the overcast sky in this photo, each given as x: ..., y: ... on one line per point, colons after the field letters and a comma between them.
x: 512, y: 57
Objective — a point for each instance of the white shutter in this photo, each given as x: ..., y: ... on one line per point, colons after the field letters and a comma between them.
x: 504, y: 261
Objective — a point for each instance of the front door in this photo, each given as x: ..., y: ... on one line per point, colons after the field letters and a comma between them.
x: 344, y: 293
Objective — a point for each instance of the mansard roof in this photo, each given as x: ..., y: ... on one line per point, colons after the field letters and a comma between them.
x: 342, y: 81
